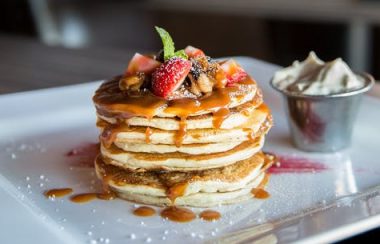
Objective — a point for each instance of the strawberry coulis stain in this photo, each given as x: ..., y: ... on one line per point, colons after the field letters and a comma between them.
x: 83, y: 155
x: 290, y: 164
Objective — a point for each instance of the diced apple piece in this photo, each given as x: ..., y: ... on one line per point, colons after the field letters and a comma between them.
x: 193, y: 52
x: 141, y: 63
x: 234, y: 73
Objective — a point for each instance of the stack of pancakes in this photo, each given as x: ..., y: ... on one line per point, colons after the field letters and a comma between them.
x: 190, y: 152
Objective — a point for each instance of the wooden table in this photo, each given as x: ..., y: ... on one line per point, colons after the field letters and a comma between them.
x: 26, y: 64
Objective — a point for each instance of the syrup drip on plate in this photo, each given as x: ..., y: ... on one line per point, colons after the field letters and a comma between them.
x: 259, y: 191
x: 58, y: 192
x: 144, y: 211
x: 210, y: 215
x: 87, y: 197
x: 83, y: 198
x: 178, y: 214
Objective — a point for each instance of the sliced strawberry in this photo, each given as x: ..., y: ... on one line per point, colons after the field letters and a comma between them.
x: 169, y: 76
x: 234, y: 73
x: 193, y: 52
x: 141, y: 63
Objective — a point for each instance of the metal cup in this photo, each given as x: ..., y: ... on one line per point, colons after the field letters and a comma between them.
x: 323, y: 123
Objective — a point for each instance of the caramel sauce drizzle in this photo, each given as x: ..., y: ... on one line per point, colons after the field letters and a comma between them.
x: 219, y: 117
x: 220, y: 76
x: 269, y: 160
x: 144, y: 211
x: 111, y: 101
x: 105, y: 180
x: 259, y: 191
x: 210, y: 215
x: 252, y: 119
x: 175, y: 191
x: 58, y: 192
x: 181, y: 133
x: 148, y: 134
x: 178, y: 214
x: 109, y: 133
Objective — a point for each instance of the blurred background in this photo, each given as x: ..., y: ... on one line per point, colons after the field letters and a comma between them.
x: 277, y: 31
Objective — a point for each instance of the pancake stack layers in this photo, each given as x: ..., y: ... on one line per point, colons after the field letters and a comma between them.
x: 180, y: 128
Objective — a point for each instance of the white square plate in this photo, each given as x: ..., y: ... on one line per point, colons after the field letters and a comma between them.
x: 38, y: 128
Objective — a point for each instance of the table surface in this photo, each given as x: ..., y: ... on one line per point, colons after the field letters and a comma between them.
x: 27, y: 65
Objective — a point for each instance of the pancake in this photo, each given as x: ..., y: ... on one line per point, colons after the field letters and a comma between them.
x: 110, y: 101
x: 183, y: 130
x: 180, y: 161
x: 134, y: 134
x: 198, y: 188
x: 199, y: 148
x: 202, y: 199
x: 238, y: 117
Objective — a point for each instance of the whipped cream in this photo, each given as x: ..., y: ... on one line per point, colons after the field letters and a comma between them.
x: 316, y: 77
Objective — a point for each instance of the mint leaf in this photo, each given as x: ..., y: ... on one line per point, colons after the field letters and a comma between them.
x: 167, y: 42
x: 180, y: 54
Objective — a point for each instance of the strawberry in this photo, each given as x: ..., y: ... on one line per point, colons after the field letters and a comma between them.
x: 193, y: 52
x: 141, y: 63
x: 169, y: 76
x: 234, y: 73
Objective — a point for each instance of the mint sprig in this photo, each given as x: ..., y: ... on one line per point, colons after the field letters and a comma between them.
x: 167, y: 42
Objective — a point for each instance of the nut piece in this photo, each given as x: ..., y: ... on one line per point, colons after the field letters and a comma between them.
x: 204, y: 83
x: 132, y: 82
x: 195, y: 89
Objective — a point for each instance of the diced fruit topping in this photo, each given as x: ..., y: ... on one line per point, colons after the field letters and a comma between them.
x: 186, y: 73
x: 170, y: 76
x: 141, y: 63
x: 234, y: 73
x: 193, y: 52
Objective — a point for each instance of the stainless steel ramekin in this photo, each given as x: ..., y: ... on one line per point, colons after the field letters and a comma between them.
x: 323, y: 123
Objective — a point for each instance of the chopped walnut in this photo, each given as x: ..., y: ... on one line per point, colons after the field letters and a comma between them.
x: 195, y: 89
x: 204, y: 75
x: 132, y: 82
x: 204, y: 83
